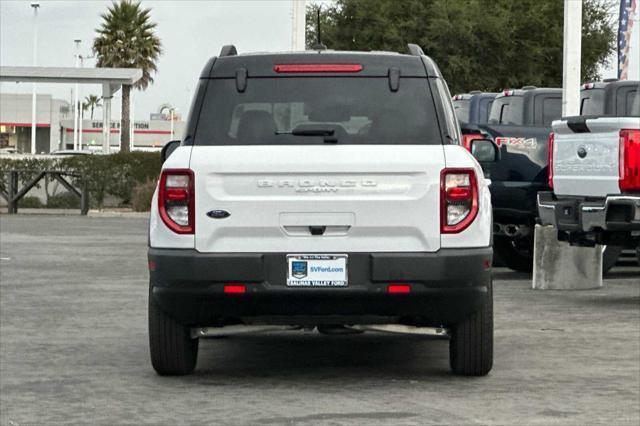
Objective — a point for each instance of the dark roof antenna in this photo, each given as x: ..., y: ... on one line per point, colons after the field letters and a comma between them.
x: 318, y: 45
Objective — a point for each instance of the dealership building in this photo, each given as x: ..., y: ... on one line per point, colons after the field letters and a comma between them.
x: 54, y: 127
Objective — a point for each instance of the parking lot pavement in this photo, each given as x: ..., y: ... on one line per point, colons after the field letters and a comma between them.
x: 73, y: 349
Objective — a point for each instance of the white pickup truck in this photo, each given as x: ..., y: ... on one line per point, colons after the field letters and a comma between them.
x: 594, y: 171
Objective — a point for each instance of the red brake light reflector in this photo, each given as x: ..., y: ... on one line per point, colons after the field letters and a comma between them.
x: 458, y: 193
x: 176, y: 194
x: 235, y: 289
x: 629, y: 165
x: 399, y: 288
x: 311, y: 68
x: 466, y: 139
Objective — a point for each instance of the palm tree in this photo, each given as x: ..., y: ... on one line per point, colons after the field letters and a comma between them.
x: 91, y: 102
x: 126, y: 39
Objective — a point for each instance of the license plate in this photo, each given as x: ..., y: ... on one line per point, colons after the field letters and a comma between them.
x: 317, y: 270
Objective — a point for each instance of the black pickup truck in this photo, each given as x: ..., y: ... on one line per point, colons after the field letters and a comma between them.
x: 520, y: 123
x: 471, y: 110
x: 609, y: 98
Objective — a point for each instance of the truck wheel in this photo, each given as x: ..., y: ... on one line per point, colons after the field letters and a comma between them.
x: 471, y: 344
x: 515, y: 254
x: 610, y: 256
x: 173, y: 351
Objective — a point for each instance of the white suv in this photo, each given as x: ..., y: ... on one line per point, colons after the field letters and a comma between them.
x: 321, y: 189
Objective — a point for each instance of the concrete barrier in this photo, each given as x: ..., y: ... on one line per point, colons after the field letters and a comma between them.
x: 559, y: 266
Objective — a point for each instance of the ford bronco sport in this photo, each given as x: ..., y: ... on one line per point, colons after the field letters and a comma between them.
x: 321, y: 189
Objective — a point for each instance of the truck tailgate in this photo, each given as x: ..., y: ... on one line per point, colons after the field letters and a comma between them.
x: 586, y: 155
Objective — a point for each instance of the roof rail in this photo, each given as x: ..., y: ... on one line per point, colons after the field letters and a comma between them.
x: 228, y: 50
x: 415, y: 50
x: 529, y: 87
x: 609, y: 80
x: 475, y: 92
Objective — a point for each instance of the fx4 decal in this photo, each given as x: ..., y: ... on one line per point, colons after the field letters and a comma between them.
x: 522, y: 143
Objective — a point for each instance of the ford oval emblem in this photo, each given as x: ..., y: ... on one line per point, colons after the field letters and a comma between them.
x: 218, y: 214
x: 582, y: 152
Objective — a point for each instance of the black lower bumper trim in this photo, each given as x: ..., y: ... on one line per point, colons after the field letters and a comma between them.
x: 446, y: 286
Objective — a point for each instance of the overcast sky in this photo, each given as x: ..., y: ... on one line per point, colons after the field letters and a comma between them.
x: 191, y: 32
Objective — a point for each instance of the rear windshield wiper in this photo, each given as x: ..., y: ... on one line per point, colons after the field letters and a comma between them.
x: 311, y: 131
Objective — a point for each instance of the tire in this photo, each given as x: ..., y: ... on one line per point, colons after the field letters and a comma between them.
x: 173, y: 351
x: 610, y: 256
x: 471, y: 344
x: 515, y: 254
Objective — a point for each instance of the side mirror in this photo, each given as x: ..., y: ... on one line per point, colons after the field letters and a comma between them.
x: 485, y: 150
x: 168, y: 149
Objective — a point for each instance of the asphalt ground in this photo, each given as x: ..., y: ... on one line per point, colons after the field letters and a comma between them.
x: 74, y: 350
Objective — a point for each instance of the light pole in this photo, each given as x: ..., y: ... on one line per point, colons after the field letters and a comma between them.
x: 298, y: 24
x: 75, y: 98
x: 82, y: 58
x: 35, y: 7
x: 132, y: 120
x: 171, y: 115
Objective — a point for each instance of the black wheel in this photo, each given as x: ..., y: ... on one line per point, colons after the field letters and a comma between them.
x: 173, y: 351
x: 471, y: 344
x: 610, y: 256
x: 515, y: 254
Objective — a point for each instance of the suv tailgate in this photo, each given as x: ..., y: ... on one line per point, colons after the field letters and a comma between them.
x: 361, y: 197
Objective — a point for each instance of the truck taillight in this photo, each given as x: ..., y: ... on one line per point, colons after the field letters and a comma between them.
x: 629, y: 166
x: 467, y: 138
x: 458, y: 199
x: 176, y: 200
x: 550, y: 147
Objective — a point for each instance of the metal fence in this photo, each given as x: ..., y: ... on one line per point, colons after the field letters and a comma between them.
x: 13, y: 194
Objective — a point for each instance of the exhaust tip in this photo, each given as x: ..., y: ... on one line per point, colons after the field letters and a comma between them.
x: 511, y: 230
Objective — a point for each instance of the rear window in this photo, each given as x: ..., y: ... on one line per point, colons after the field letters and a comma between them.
x: 547, y: 109
x: 461, y: 107
x: 359, y: 111
x: 633, y: 104
x: 592, y: 102
x: 507, y: 110
x: 485, y: 107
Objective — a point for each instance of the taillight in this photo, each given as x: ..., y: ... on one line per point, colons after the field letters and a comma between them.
x: 458, y: 199
x: 466, y: 139
x: 550, y: 146
x: 176, y: 200
x: 629, y: 166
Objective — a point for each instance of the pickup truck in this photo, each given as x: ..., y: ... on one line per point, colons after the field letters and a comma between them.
x: 472, y: 109
x: 595, y: 170
x: 519, y: 122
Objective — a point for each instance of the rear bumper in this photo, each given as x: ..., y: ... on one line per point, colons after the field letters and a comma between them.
x: 612, y: 214
x: 446, y: 287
